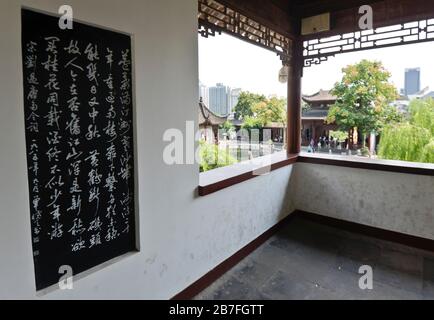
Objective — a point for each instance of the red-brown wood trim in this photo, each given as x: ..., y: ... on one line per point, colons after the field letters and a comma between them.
x: 230, y: 181
x: 204, y: 282
x: 311, y: 8
x: 367, y: 165
x: 345, y: 18
x: 205, y: 190
x: 269, y: 15
x: 392, y: 236
x: 294, y: 99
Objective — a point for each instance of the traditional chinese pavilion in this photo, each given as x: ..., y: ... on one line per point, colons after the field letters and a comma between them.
x: 314, y: 117
x: 209, y: 123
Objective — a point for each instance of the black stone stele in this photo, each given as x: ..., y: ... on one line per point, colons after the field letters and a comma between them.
x: 79, y: 136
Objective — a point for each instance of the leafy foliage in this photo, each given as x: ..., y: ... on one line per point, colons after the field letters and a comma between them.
x: 266, y: 112
x: 427, y: 155
x: 271, y: 110
x: 212, y: 157
x: 227, y: 127
x: 246, y: 102
x: 341, y: 135
x: 412, y: 141
x: 364, y: 97
x: 305, y: 106
x: 422, y: 114
x: 252, y: 123
x: 257, y: 111
x: 403, y: 142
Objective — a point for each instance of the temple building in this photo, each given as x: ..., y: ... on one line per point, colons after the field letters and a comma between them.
x: 314, y: 116
x: 209, y: 123
x: 277, y: 132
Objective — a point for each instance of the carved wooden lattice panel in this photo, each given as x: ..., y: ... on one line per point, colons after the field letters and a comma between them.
x: 318, y: 50
x: 215, y: 18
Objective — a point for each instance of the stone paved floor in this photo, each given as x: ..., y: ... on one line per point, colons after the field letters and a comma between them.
x: 306, y: 260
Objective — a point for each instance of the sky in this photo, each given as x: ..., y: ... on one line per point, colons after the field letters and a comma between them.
x: 239, y: 64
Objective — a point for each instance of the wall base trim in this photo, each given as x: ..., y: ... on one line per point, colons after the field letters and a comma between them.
x: 374, y: 232
x: 204, y: 282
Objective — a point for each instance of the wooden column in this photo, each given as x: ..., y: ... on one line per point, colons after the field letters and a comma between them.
x: 294, y: 98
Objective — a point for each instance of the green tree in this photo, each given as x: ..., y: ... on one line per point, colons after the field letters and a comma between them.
x: 252, y: 123
x: 227, y: 127
x: 341, y: 135
x: 413, y: 140
x: 212, y: 157
x: 427, y: 155
x: 404, y: 142
x: 305, y: 106
x: 245, y: 104
x: 422, y: 114
x: 364, y: 97
x: 270, y: 110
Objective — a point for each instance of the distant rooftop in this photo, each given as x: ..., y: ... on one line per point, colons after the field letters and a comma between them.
x: 318, y: 113
x: 320, y: 96
x: 209, y: 118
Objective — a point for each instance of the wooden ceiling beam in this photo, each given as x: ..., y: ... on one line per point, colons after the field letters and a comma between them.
x: 303, y: 9
x: 267, y: 13
x: 386, y: 13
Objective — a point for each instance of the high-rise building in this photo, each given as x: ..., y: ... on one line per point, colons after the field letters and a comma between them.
x: 235, y: 95
x: 219, y: 99
x: 204, y: 93
x: 412, y: 81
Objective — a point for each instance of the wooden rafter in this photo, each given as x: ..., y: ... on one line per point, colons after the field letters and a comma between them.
x: 215, y: 18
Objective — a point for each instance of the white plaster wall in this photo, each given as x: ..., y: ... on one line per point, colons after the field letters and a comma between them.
x: 181, y: 236
x: 392, y: 201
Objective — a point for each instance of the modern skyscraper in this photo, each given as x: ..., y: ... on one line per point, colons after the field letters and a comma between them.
x: 235, y: 95
x: 219, y: 99
x: 412, y: 81
x: 204, y: 93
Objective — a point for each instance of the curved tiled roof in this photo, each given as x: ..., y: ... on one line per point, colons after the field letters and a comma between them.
x: 209, y: 118
x: 320, y: 96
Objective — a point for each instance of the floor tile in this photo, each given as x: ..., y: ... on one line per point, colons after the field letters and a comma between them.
x: 309, y: 261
